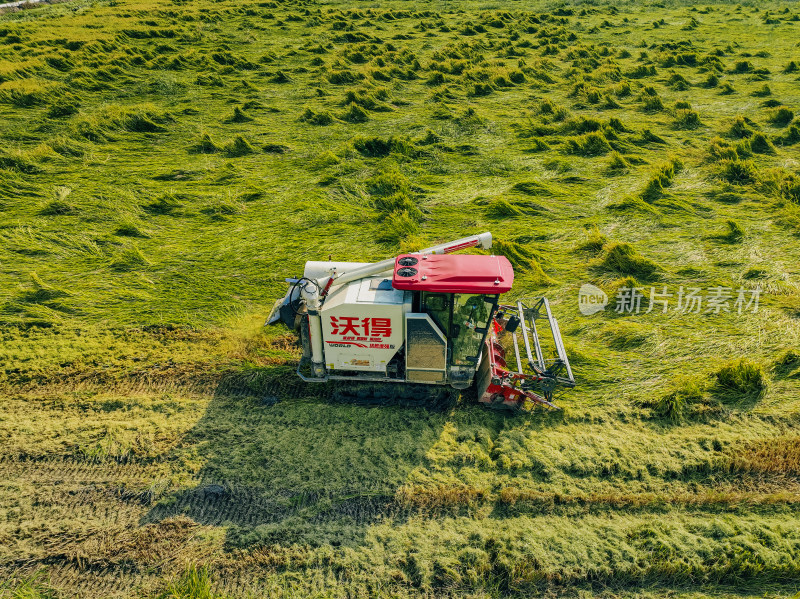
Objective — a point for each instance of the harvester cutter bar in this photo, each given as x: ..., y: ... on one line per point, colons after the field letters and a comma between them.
x: 540, y: 310
x: 516, y: 351
x: 526, y: 340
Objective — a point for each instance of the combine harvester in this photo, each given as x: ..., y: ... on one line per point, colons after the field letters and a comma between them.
x: 415, y: 326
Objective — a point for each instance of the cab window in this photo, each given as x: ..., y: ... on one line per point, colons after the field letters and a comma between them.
x: 471, y: 315
x: 438, y: 306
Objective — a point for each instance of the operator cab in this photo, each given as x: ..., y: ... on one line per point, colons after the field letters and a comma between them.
x: 454, y: 299
x: 464, y: 319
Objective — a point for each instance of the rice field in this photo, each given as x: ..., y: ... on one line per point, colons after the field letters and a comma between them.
x: 165, y: 165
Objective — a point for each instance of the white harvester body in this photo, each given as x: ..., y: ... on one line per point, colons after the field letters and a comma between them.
x: 424, y: 318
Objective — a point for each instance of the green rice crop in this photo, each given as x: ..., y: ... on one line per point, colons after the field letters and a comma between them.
x: 164, y: 167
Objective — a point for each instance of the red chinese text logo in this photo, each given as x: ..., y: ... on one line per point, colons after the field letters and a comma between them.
x: 365, y: 327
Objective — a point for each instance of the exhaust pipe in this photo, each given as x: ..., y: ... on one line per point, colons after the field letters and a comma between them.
x: 484, y: 240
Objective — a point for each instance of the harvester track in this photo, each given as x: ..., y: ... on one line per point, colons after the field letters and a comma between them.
x: 407, y: 395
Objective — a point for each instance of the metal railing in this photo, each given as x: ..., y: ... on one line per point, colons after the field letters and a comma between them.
x: 534, y: 316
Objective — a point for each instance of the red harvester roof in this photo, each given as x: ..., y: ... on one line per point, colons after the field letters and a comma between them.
x: 449, y: 273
